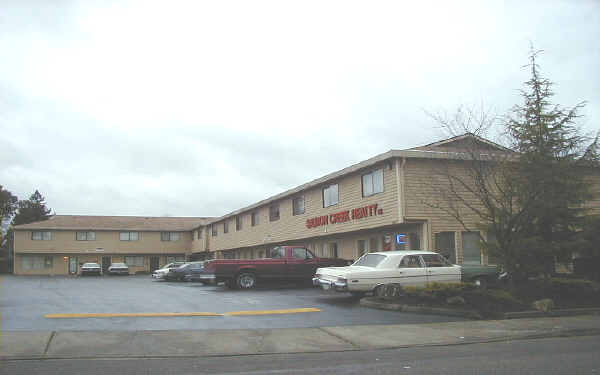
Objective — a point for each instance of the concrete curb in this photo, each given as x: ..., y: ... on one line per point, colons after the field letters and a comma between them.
x: 471, y: 314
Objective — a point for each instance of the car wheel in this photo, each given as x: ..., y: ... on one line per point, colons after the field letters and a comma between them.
x: 246, y: 280
x: 379, y: 291
x: 480, y: 282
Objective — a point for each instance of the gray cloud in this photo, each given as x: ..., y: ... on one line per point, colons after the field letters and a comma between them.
x: 134, y: 109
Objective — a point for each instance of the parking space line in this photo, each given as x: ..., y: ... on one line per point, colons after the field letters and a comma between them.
x: 271, y: 312
x: 180, y: 314
x: 128, y: 315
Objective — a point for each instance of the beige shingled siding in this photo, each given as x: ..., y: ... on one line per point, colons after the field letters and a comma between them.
x: 108, y: 241
x: 422, y: 179
x: 290, y: 228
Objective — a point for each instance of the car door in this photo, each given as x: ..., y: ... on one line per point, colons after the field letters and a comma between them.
x: 411, y: 271
x: 301, y: 264
x: 439, y: 270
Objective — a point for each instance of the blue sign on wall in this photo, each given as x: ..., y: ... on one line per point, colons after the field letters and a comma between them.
x: 401, y: 238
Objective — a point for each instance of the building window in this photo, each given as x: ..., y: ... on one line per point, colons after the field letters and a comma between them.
x: 238, y: 223
x: 373, y: 245
x: 169, y: 236
x: 41, y: 235
x: 445, y: 245
x: 333, y: 250
x: 471, y: 249
x: 254, y: 218
x: 85, y: 236
x: 362, y: 247
x: 137, y: 261
x: 274, y: 212
x: 36, y: 262
x: 330, y: 195
x: 372, y: 183
x: 199, y: 233
x: 298, y: 205
x: 129, y: 236
x: 214, y: 230
x: 225, y: 226
x: 173, y: 259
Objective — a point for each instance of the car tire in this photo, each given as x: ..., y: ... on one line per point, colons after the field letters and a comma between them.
x: 480, y: 282
x: 379, y: 291
x: 245, y: 280
x: 357, y: 294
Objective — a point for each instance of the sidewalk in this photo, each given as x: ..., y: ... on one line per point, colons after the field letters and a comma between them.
x: 123, y: 344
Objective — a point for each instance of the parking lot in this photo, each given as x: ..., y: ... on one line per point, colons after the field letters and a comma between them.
x: 25, y: 302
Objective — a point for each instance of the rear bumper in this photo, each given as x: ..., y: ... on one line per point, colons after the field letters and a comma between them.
x: 119, y: 272
x: 330, y: 285
x: 91, y: 272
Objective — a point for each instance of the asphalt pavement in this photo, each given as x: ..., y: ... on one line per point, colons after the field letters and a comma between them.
x: 25, y: 303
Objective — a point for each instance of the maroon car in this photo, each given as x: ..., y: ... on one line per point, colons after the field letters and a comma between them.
x: 285, y: 263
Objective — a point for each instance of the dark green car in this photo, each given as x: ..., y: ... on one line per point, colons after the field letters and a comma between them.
x: 480, y: 275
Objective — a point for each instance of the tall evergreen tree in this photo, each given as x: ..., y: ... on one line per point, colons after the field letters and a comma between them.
x: 8, y: 203
x: 549, y: 174
x: 32, y: 210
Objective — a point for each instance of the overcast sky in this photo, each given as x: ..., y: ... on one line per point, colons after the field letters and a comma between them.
x: 201, y: 108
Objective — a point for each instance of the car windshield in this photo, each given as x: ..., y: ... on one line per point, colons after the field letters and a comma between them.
x: 183, y: 266
x: 370, y: 260
x: 91, y: 265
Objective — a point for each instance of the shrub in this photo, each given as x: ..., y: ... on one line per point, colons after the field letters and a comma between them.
x: 493, y: 301
x: 437, y: 293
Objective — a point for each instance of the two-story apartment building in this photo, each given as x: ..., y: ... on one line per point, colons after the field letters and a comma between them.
x: 61, y: 244
x: 380, y: 204
x: 383, y: 203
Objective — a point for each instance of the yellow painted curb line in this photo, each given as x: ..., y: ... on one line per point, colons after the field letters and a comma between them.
x: 128, y: 315
x: 270, y: 312
x: 146, y: 315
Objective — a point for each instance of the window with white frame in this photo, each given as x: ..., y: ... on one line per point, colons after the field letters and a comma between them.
x: 238, y: 223
x: 298, y: 206
x: 135, y: 261
x: 169, y: 236
x: 372, y: 183
x: 85, y: 236
x: 331, y: 195
x: 254, y: 219
x: 29, y: 262
x: 129, y: 236
x: 41, y: 235
x: 199, y: 233
x: 214, y: 230
x: 225, y: 226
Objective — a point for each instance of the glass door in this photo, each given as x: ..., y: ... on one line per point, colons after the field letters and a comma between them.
x: 72, y: 265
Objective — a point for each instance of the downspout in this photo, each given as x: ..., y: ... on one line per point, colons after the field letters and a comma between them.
x: 401, y: 190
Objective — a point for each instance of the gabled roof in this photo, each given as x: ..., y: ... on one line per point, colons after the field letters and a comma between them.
x: 463, y: 143
x: 137, y: 223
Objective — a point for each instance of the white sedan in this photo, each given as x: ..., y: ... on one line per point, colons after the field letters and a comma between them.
x: 372, y: 270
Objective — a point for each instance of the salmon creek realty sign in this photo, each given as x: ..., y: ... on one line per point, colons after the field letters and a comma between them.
x: 345, y: 216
